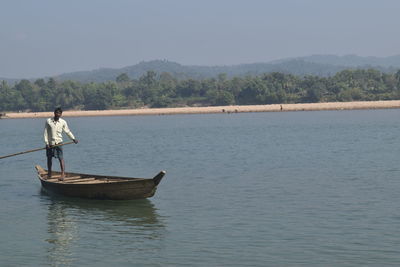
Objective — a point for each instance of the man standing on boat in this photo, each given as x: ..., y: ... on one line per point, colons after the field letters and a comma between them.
x: 53, y: 136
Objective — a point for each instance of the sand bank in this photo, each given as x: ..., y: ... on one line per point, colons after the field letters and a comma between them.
x: 217, y: 109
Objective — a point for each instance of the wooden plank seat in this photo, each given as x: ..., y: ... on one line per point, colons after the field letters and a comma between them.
x: 80, y: 180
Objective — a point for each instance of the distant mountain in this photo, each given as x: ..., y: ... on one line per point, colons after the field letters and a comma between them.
x: 319, y: 65
x: 313, y: 65
x: 349, y: 60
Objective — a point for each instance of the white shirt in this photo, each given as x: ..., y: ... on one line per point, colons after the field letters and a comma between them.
x: 53, y: 131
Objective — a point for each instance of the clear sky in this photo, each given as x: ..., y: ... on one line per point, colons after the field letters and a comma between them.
x: 49, y: 37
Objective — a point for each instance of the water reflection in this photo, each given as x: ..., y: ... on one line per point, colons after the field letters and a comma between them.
x: 76, y: 225
x: 63, y: 233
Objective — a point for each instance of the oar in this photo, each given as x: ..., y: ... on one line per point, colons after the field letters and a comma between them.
x: 33, y: 150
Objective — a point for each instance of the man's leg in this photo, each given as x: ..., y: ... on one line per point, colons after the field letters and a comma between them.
x: 62, y: 167
x: 49, y: 165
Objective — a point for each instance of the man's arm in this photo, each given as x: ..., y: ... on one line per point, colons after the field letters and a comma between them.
x: 45, y: 135
x: 69, y: 133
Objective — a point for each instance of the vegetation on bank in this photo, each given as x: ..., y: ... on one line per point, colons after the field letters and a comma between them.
x: 164, y: 90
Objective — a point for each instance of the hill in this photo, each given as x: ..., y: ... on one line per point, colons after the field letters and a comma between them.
x: 353, y: 61
x: 317, y: 65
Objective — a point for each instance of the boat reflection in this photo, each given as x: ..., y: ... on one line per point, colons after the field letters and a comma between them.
x: 75, y: 223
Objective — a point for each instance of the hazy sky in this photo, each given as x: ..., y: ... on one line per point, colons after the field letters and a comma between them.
x: 49, y: 37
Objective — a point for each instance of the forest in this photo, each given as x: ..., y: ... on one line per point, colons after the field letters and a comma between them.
x: 154, y: 90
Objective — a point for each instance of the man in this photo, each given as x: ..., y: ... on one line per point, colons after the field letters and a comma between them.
x: 53, y: 136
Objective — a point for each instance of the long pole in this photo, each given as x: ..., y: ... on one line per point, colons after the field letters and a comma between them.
x: 33, y: 150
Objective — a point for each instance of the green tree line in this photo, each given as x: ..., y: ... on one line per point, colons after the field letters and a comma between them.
x: 163, y: 90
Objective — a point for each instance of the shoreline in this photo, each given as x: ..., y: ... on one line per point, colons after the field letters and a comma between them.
x: 387, y: 104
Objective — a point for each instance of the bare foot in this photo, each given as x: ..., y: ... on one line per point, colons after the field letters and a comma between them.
x: 61, y: 177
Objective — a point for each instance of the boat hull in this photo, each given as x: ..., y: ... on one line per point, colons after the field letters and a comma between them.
x: 101, y: 187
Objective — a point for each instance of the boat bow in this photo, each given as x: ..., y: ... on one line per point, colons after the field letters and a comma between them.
x: 158, y: 177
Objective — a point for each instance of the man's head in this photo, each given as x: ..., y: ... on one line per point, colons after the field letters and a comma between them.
x: 57, y: 113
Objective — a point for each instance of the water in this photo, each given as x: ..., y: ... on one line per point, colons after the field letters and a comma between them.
x: 255, y: 189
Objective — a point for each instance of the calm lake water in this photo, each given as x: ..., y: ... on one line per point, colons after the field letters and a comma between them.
x: 255, y: 189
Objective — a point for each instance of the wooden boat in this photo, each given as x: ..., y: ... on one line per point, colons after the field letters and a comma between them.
x: 99, y: 186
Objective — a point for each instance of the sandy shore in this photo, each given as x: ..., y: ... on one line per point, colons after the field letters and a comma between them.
x: 218, y: 109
